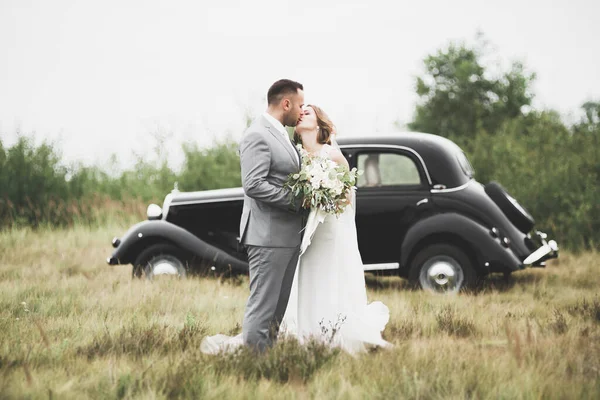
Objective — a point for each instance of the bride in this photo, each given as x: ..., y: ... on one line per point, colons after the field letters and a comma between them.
x: 328, y: 301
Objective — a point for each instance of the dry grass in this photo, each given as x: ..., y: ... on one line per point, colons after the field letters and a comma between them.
x: 73, y: 327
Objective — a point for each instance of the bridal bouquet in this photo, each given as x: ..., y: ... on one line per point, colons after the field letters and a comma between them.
x: 322, y: 184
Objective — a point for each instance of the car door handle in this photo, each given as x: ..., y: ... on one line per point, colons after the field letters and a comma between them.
x: 422, y: 201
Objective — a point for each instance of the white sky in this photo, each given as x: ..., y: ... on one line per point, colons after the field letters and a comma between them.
x: 100, y: 77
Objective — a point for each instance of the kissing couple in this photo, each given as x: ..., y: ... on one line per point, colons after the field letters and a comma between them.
x: 310, y: 286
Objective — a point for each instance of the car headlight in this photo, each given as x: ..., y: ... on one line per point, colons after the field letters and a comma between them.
x: 154, y: 211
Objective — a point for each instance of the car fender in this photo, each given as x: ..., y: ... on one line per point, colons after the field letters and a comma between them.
x: 487, y: 249
x: 132, y: 243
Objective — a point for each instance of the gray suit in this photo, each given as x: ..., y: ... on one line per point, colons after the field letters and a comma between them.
x: 270, y: 229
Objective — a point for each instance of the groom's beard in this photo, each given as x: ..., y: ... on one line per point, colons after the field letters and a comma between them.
x: 289, y: 121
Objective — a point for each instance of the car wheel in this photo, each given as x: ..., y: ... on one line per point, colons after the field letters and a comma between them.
x: 515, y: 212
x: 160, y: 259
x: 442, y: 268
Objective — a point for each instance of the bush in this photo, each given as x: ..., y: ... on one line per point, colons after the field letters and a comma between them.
x: 32, y: 181
x: 212, y: 168
x: 37, y: 189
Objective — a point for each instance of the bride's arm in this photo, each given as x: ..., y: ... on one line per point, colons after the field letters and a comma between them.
x: 338, y: 157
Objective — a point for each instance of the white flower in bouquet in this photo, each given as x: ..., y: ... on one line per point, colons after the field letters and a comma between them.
x: 322, y: 184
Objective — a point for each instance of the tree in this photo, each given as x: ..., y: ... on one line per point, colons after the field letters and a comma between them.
x: 210, y: 168
x: 591, y: 122
x: 552, y: 169
x: 458, y: 98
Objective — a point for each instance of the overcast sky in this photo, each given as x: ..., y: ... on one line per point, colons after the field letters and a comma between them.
x: 102, y: 77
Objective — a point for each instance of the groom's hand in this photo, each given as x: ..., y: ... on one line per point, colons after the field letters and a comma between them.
x: 344, y: 202
x: 347, y: 200
x: 296, y: 203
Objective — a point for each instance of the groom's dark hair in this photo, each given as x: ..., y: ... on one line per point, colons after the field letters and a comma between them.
x: 281, y: 88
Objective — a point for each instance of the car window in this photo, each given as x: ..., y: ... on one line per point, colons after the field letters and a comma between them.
x: 387, y: 169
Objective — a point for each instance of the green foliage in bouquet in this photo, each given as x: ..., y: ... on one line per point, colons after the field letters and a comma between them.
x: 322, y: 183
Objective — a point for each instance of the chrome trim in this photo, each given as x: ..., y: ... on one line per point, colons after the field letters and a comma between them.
x: 422, y: 201
x: 166, y: 205
x: 454, y: 189
x: 378, y: 267
x: 517, y: 205
x: 537, y: 255
x: 390, y: 146
x: 207, y: 201
x: 548, y: 249
x: 209, y: 196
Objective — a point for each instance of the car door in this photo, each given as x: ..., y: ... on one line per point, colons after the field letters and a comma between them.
x: 215, y: 222
x: 392, y: 194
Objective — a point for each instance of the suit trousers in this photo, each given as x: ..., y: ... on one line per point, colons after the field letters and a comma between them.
x: 272, y: 272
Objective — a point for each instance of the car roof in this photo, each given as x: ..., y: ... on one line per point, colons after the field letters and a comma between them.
x: 438, y: 153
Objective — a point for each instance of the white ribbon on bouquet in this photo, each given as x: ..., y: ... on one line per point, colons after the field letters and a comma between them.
x: 315, y: 217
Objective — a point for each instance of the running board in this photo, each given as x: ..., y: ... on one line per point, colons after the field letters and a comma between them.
x: 379, y: 267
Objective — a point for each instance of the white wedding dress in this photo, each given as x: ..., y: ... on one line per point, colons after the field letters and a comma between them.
x: 328, y: 301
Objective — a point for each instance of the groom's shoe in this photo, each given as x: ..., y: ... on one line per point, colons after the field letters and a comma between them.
x: 258, y: 341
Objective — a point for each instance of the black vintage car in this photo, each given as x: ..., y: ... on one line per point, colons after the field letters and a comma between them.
x: 420, y: 214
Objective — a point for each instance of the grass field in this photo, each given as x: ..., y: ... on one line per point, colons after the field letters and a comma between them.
x: 72, y: 327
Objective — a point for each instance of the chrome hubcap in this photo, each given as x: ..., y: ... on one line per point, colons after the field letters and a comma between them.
x: 165, y: 265
x: 441, y: 274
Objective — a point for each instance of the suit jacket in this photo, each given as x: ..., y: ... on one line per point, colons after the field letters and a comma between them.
x: 269, y: 218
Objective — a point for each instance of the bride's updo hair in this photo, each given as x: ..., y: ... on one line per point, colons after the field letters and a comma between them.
x: 326, y: 127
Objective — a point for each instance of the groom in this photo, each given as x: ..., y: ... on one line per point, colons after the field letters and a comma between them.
x: 270, y: 225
